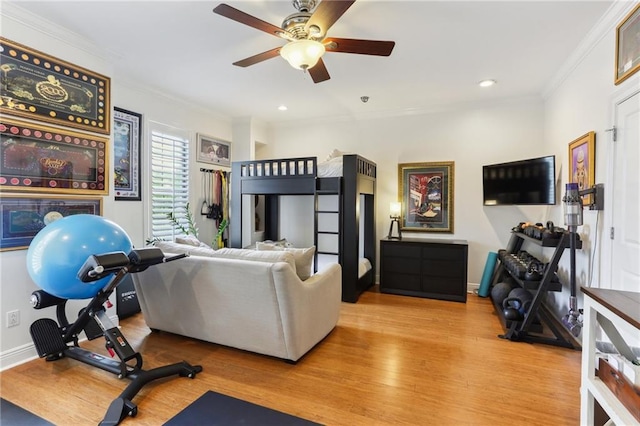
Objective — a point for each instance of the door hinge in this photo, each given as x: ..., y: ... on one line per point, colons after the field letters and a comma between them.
x: 614, y: 133
x: 612, y: 233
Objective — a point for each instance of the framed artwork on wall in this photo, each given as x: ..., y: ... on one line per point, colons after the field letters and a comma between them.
x: 127, y: 134
x: 213, y: 151
x: 46, y: 159
x: 23, y: 216
x: 628, y: 46
x: 426, y: 195
x: 582, y: 168
x: 40, y: 87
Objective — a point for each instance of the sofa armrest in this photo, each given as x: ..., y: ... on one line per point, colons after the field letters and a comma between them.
x: 309, y: 309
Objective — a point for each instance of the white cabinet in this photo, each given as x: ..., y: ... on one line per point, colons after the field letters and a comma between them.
x: 622, y: 308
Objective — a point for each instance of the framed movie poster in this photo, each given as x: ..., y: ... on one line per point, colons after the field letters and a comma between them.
x: 37, y: 158
x: 127, y: 133
x: 23, y: 216
x: 40, y: 87
x: 213, y: 151
x: 426, y: 195
x: 582, y: 168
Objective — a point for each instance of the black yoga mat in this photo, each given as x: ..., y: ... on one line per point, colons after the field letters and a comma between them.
x: 12, y: 415
x: 216, y: 409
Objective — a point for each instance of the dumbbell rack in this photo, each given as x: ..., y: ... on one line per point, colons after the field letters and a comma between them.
x: 531, y: 328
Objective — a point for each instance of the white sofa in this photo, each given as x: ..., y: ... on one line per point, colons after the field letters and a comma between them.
x: 245, y: 299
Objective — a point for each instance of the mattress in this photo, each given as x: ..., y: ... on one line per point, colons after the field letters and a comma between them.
x: 331, y: 168
x: 364, y: 266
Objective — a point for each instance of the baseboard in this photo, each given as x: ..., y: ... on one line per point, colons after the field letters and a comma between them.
x: 17, y: 356
x: 473, y: 288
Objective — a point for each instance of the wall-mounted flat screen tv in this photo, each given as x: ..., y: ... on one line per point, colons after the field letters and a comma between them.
x: 524, y: 182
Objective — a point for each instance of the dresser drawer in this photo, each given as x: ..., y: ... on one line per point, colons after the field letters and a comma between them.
x: 424, y: 268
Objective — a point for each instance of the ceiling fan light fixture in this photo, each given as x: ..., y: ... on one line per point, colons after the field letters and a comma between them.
x: 302, y: 54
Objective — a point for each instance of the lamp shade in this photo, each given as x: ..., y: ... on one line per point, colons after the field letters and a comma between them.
x: 302, y: 54
x: 395, y: 209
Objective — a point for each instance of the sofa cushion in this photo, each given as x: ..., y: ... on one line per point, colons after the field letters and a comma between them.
x: 257, y: 256
x: 303, y: 257
x: 177, y: 248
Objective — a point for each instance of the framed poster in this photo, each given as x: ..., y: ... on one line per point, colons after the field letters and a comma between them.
x: 582, y: 168
x: 40, y: 87
x: 426, y: 195
x: 213, y: 151
x: 127, y: 133
x: 39, y: 158
x: 628, y: 46
x: 24, y: 215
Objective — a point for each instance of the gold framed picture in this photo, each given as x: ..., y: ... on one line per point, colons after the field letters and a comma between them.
x: 40, y: 87
x: 582, y: 168
x: 23, y: 216
x: 426, y: 195
x: 38, y: 158
x: 628, y: 46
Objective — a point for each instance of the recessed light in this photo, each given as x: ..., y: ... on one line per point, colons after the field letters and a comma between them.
x: 283, y: 108
x: 487, y: 83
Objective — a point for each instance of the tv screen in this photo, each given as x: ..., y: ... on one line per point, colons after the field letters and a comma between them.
x: 521, y: 182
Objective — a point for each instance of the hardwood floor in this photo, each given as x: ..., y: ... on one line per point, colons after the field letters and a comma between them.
x: 391, y: 360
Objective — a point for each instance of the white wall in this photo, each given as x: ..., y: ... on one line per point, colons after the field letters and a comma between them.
x: 15, y: 284
x: 580, y: 103
x: 471, y: 137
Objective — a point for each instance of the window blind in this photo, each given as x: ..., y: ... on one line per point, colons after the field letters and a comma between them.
x: 169, y: 184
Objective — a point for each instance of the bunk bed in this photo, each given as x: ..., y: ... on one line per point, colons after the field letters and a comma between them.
x: 351, y: 179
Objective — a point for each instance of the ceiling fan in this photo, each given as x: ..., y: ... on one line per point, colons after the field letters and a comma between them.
x: 306, y: 33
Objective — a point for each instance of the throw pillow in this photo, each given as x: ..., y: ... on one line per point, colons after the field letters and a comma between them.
x: 304, y: 259
x: 191, y: 241
x: 302, y: 256
x: 177, y: 248
x: 257, y: 256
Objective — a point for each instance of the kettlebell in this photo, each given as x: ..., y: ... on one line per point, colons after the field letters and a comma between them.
x: 500, y: 291
x: 521, y: 294
x: 510, y: 309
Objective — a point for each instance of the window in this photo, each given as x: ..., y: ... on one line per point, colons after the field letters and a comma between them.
x: 169, y: 182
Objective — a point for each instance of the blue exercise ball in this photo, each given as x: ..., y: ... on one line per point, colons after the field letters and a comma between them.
x: 59, y: 250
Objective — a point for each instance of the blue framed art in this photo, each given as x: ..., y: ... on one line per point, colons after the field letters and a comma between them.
x: 23, y: 216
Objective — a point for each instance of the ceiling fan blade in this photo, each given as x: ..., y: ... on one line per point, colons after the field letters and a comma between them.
x: 252, y: 60
x: 319, y: 72
x: 363, y: 47
x: 244, y: 18
x: 327, y: 13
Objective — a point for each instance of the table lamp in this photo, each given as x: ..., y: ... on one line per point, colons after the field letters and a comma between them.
x: 395, y: 209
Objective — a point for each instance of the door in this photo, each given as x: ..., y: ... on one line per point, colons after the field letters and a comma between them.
x: 625, y: 193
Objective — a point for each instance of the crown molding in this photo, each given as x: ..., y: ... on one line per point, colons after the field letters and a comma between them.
x: 57, y: 32
x: 605, y: 25
x: 73, y: 40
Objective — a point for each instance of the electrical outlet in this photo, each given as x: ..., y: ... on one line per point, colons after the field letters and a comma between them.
x: 13, y: 318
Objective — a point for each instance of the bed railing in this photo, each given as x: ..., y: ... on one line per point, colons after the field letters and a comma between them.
x: 303, y: 166
x: 365, y: 167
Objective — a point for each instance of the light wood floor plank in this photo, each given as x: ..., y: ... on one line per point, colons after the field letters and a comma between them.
x: 391, y: 360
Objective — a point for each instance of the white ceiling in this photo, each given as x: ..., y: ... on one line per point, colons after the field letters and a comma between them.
x: 443, y: 48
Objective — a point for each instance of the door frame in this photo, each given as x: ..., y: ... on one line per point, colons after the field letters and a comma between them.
x: 632, y: 87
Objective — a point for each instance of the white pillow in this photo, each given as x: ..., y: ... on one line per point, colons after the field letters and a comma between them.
x: 177, y: 248
x: 303, y: 257
x: 191, y: 241
x: 257, y: 256
x: 334, y: 154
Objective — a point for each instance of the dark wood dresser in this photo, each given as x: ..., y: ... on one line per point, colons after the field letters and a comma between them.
x: 432, y: 268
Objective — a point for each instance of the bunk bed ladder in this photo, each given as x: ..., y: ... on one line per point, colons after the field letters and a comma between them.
x: 328, y: 222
